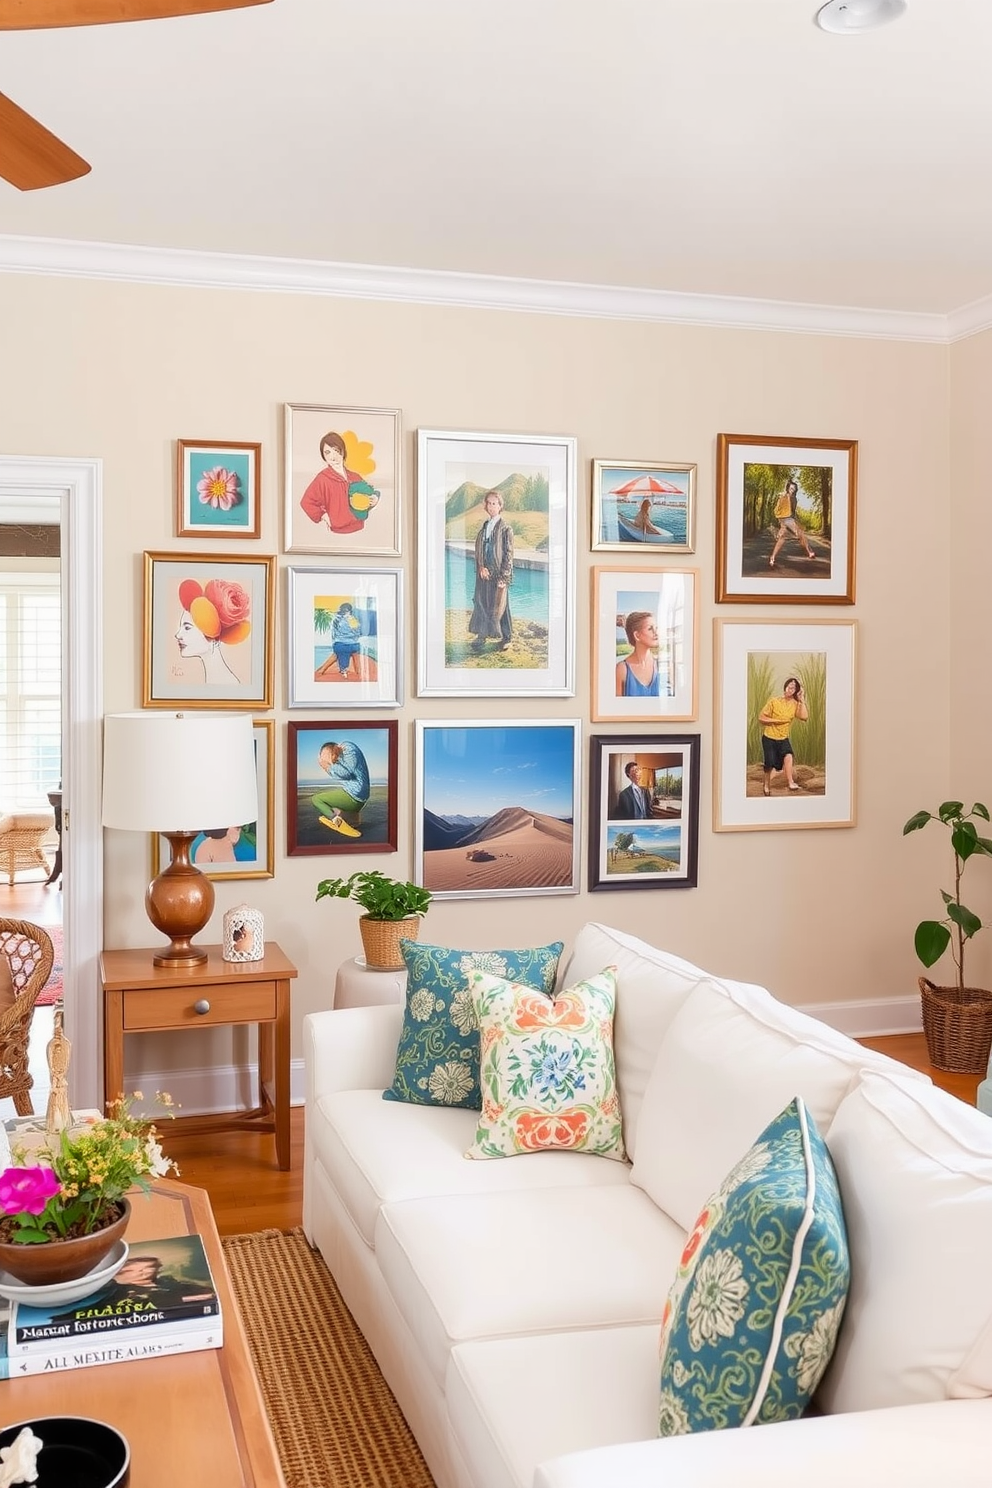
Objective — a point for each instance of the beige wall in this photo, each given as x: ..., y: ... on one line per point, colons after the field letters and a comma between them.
x: 121, y: 371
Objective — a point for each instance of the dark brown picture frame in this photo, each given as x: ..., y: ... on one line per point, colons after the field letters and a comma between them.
x: 370, y: 829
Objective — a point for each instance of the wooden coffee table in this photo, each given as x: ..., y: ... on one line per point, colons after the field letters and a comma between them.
x: 190, y: 1418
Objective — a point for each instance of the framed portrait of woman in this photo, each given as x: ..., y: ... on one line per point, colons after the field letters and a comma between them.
x: 645, y: 624
x: 342, y: 481
x: 496, y: 595
x: 207, y: 631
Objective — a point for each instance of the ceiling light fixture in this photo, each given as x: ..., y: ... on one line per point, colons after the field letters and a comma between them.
x: 846, y: 17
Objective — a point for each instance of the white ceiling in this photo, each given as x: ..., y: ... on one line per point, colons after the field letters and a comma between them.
x: 724, y: 147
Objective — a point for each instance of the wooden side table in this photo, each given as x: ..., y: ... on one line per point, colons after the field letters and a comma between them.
x: 139, y: 997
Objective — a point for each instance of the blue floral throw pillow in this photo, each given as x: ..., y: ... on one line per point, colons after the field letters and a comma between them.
x: 753, y: 1315
x: 437, y: 1062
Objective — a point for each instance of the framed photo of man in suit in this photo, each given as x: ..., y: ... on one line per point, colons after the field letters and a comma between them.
x: 644, y: 830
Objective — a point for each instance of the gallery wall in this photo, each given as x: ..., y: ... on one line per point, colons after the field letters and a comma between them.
x: 121, y: 371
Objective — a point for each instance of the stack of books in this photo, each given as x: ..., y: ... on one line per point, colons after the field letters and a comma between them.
x: 162, y: 1301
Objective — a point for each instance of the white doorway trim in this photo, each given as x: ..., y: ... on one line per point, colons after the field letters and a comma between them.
x: 78, y: 484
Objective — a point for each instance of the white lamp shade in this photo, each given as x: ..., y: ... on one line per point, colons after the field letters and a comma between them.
x: 178, y: 772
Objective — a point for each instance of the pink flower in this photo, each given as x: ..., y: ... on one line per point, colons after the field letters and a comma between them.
x: 231, y: 601
x: 219, y: 488
x: 27, y: 1190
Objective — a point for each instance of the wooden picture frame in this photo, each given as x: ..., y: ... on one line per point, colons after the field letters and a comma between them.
x: 348, y: 804
x: 644, y: 506
x: 785, y: 530
x: 644, y: 825
x: 208, y: 627
x: 344, y: 637
x: 637, y: 676
x: 342, y: 480
x: 218, y: 488
x: 248, y: 849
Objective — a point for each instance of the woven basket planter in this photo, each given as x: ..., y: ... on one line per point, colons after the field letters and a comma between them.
x: 381, y: 939
x: 958, y: 1027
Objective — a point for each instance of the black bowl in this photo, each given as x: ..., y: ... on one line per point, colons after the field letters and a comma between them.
x: 77, y: 1451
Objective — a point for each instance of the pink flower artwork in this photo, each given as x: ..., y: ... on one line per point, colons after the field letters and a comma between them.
x: 219, y: 488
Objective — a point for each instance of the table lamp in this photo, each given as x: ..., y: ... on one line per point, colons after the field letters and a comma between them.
x: 179, y: 774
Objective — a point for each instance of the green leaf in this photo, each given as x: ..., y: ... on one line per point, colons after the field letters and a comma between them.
x: 985, y: 845
x: 979, y: 810
x: 970, y: 923
x: 949, y: 810
x: 964, y: 840
x: 916, y: 822
x: 947, y: 898
x: 931, y: 941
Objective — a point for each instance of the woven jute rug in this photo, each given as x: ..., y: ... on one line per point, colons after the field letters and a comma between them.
x: 334, y: 1418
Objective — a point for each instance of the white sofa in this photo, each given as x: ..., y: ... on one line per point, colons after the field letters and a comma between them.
x: 514, y: 1304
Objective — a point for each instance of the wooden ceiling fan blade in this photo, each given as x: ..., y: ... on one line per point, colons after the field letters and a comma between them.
x: 30, y: 155
x: 32, y: 15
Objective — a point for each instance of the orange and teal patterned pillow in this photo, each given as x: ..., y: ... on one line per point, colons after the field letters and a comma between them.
x: 437, y: 1062
x: 546, y: 1067
x: 753, y: 1314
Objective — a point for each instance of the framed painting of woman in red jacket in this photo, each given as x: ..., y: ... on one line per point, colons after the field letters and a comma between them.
x: 342, y: 480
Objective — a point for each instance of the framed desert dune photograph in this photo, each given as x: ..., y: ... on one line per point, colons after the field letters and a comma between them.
x: 496, y: 808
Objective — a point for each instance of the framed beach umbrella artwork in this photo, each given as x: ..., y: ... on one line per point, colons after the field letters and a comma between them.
x: 643, y: 505
x: 497, y: 807
x: 496, y: 564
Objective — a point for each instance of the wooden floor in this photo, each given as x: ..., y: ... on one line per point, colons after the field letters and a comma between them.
x: 247, y: 1190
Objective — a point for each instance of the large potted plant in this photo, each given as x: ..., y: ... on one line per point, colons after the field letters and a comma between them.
x: 957, y: 1020
x: 393, y: 911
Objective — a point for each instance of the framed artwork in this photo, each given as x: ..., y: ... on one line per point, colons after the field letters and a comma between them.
x: 785, y: 705
x: 647, y: 504
x: 785, y: 513
x: 341, y: 788
x: 644, y: 829
x: 246, y: 850
x: 342, y: 480
x: 645, y: 623
x: 344, y: 637
x: 217, y: 489
x: 207, y: 631
x: 496, y: 526
x: 497, y: 808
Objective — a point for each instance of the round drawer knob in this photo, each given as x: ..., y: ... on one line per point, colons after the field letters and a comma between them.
x: 202, y: 1006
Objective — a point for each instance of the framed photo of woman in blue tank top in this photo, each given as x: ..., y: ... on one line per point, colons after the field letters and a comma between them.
x: 645, y: 624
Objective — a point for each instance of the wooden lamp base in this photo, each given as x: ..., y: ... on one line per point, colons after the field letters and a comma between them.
x: 179, y: 902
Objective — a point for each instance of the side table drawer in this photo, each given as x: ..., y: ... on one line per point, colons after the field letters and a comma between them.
x: 252, y: 1002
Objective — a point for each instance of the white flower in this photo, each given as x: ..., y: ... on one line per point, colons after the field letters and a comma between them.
x: 450, y: 1083
x: 158, y: 1163
x: 816, y: 1347
x: 680, y: 1374
x: 717, y: 1300
x: 422, y: 1005
x: 750, y: 1165
x: 483, y: 961
x: 463, y: 1012
x: 673, y: 1419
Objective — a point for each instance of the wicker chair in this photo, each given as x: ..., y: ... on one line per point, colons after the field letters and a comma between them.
x: 21, y: 834
x: 30, y: 955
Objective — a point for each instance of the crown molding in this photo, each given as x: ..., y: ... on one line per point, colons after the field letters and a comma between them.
x: 970, y: 320
x: 126, y: 263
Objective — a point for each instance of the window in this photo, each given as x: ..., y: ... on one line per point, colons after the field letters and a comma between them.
x: 30, y: 688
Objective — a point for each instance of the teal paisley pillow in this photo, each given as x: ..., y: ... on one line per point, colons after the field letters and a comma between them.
x: 755, y: 1308
x: 437, y: 1062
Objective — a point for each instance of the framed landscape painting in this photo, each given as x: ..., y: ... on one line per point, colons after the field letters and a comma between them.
x: 246, y: 850
x: 497, y: 808
x: 785, y: 705
x: 647, y: 506
x: 217, y: 489
x: 496, y: 562
x: 342, y: 480
x: 344, y: 637
x: 785, y: 514
x: 645, y: 624
x: 644, y: 814
x: 341, y: 788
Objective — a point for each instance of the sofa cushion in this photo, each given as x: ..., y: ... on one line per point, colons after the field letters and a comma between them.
x: 546, y: 1067
x: 753, y: 1314
x: 525, y: 1262
x: 651, y: 987
x: 515, y: 1402
x: 732, y: 1059
x: 375, y: 1152
x: 915, y: 1171
x: 437, y: 1062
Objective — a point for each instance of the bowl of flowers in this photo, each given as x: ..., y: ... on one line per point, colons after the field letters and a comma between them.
x: 64, y: 1207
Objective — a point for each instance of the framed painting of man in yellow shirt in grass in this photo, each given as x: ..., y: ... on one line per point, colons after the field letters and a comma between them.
x: 785, y: 736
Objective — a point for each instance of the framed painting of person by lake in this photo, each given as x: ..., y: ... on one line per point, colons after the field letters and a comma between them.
x: 344, y: 637
x: 497, y: 808
x: 342, y: 480
x: 496, y: 561
x: 207, y: 631
x: 645, y: 623
x: 217, y: 489
x: 785, y: 519
x: 644, y: 816
x: 646, y: 505
x: 341, y: 788
x: 246, y: 850
x: 785, y: 705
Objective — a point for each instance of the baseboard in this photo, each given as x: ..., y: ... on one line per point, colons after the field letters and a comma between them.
x: 213, y: 1089
x: 870, y: 1018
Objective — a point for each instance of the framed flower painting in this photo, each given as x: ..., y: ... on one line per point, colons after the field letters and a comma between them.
x: 217, y: 489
